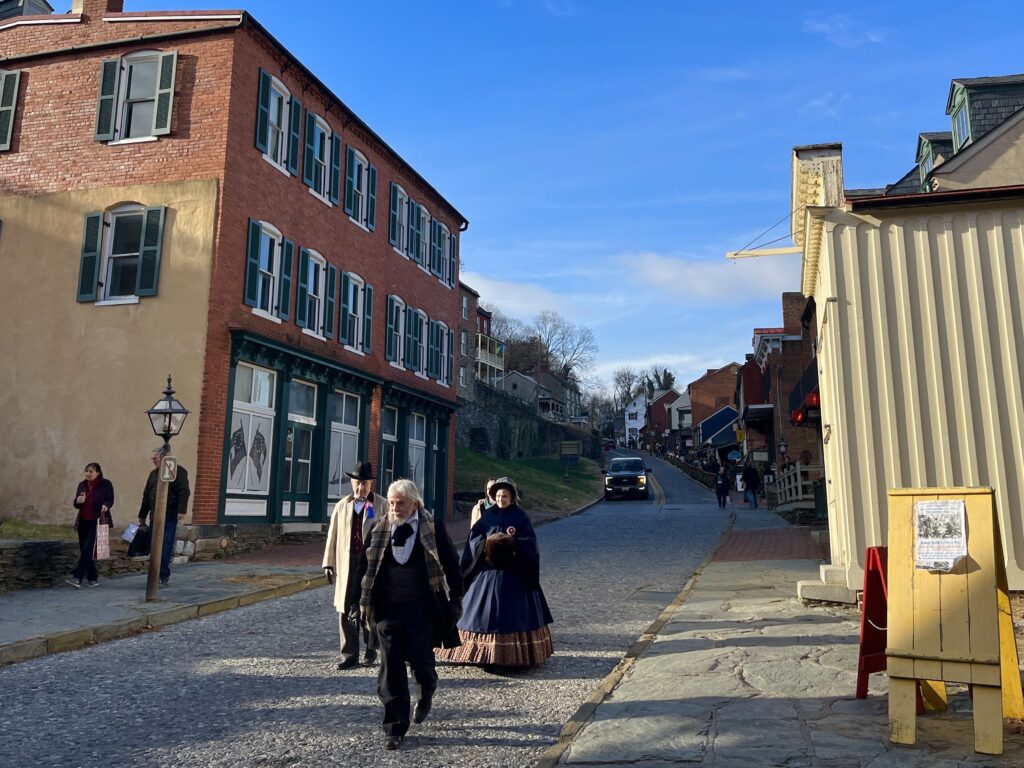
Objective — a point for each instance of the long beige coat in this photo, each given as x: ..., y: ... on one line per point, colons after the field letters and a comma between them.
x: 339, y: 539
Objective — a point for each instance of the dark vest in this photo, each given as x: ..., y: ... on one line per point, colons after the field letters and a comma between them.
x: 397, y: 583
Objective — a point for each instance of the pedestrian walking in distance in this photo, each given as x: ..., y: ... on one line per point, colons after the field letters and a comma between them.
x: 722, y: 487
x: 505, y: 624
x: 178, y: 493
x: 94, y: 499
x: 351, y: 521
x: 411, y: 598
x: 751, y: 482
x: 485, y: 503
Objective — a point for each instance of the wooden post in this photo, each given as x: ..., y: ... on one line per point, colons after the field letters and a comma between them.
x: 156, y: 540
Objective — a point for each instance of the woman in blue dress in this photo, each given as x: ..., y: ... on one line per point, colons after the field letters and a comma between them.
x: 506, y: 618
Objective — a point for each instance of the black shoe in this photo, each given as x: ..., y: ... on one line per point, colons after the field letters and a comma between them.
x: 164, y: 582
x: 394, y: 742
x: 347, y: 663
x: 422, y: 710
x: 370, y: 656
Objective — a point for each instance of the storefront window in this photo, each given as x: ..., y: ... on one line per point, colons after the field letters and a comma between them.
x: 343, y: 409
x: 252, y: 430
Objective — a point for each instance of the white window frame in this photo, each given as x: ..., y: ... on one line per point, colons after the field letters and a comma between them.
x: 343, y: 429
x: 424, y: 239
x: 317, y: 268
x: 355, y: 313
x: 961, y: 126
x: 421, y: 370
x: 110, y: 219
x: 417, y: 445
x: 462, y: 376
x: 463, y: 343
x: 278, y: 90
x: 299, y: 418
x: 250, y: 409
x: 361, y: 190
x: 465, y: 307
x: 398, y: 331
x: 269, y: 279
x: 402, y: 246
x: 391, y: 440
x: 321, y: 156
x: 442, y: 355
x: 127, y: 62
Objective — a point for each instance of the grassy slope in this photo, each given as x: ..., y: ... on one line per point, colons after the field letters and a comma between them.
x: 541, y: 481
x: 16, y: 529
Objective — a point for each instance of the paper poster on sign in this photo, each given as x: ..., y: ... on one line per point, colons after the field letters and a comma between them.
x: 941, y: 533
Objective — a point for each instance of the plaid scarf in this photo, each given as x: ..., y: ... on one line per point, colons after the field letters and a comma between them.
x: 378, y: 543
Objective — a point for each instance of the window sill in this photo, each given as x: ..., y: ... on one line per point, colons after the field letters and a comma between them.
x: 359, y: 224
x: 399, y: 366
x: 356, y: 351
x: 118, y: 302
x: 399, y: 251
x: 277, y: 166
x: 325, y: 200
x: 422, y: 375
x: 314, y: 334
x: 136, y: 140
x: 266, y: 316
x: 424, y: 269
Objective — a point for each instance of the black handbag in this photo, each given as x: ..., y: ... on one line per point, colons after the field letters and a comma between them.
x: 139, y: 546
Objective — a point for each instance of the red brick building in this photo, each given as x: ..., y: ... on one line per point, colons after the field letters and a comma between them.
x: 712, y: 391
x: 184, y: 194
x: 659, y: 419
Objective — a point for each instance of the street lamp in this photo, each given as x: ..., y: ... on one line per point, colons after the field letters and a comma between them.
x: 783, y: 447
x: 166, y: 417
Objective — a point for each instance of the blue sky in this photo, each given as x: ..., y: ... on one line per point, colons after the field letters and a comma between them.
x: 608, y: 154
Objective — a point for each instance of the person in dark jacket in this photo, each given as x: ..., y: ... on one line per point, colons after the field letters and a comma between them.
x: 178, y: 494
x: 94, y: 499
x: 751, y: 484
x: 722, y: 487
x: 411, y: 598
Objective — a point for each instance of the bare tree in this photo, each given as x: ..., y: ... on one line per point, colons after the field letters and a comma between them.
x: 505, y: 328
x: 626, y: 384
x: 571, y: 347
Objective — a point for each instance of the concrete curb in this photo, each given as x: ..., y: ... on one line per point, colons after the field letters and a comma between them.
x: 72, y: 640
x: 588, y: 708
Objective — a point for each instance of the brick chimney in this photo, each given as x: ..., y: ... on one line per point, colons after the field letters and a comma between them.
x: 97, y: 8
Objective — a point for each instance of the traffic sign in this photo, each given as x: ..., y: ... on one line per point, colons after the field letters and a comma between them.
x: 168, y: 469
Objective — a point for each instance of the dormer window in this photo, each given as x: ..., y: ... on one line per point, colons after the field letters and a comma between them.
x: 961, y: 127
x: 925, y: 167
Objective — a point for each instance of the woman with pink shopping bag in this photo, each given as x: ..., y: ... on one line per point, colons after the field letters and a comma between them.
x: 93, y: 500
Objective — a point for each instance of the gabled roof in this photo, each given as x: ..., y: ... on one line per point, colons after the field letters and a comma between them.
x: 908, y: 183
x: 958, y: 83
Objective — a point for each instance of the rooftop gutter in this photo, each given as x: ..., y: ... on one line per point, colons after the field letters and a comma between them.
x: 950, y: 197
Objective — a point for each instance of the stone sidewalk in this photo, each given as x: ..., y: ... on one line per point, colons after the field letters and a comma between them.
x: 738, y: 673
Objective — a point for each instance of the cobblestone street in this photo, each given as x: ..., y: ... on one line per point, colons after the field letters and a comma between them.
x: 257, y: 686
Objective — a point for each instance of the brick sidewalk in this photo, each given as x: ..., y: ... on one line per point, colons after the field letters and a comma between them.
x: 770, y: 544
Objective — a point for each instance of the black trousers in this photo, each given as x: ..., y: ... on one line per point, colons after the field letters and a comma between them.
x: 86, y: 568
x: 405, y: 635
x: 723, y: 495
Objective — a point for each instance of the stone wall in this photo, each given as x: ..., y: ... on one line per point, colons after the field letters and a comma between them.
x: 31, y: 564
x: 503, y: 427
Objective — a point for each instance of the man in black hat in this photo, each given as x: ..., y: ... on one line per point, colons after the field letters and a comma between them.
x: 351, y: 522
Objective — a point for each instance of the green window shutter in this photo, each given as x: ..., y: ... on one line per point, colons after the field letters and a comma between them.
x: 252, y: 264
x: 453, y: 259
x: 371, y: 200
x: 302, y: 291
x: 350, y: 180
x: 409, y: 337
x: 434, y: 350
x: 307, y: 158
x: 263, y: 113
x: 435, y: 246
x: 284, y: 285
x: 294, y: 135
x: 346, y: 290
x: 417, y: 328
x: 106, y: 109
x: 332, y: 278
x: 8, y: 105
x: 389, y: 338
x: 89, y: 264
x: 148, y: 276
x: 393, y: 215
x: 414, y: 231
x: 367, y: 317
x: 165, y: 94
x: 335, y: 168
x: 451, y: 355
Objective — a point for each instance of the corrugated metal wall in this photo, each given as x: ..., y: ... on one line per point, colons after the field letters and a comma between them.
x: 922, y: 345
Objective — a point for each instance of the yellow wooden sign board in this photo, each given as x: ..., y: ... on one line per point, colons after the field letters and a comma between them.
x: 949, y: 616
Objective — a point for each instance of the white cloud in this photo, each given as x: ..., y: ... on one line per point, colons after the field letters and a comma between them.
x: 723, y: 74
x: 826, y: 105
x: 711, y: 282
x: 845, y: 31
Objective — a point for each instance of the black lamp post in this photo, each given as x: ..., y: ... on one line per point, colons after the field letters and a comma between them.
x: 166, y: 417
x: 783, y: 447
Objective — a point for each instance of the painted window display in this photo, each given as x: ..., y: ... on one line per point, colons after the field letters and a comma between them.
x: 343, y: 410
x: 252, y: 429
